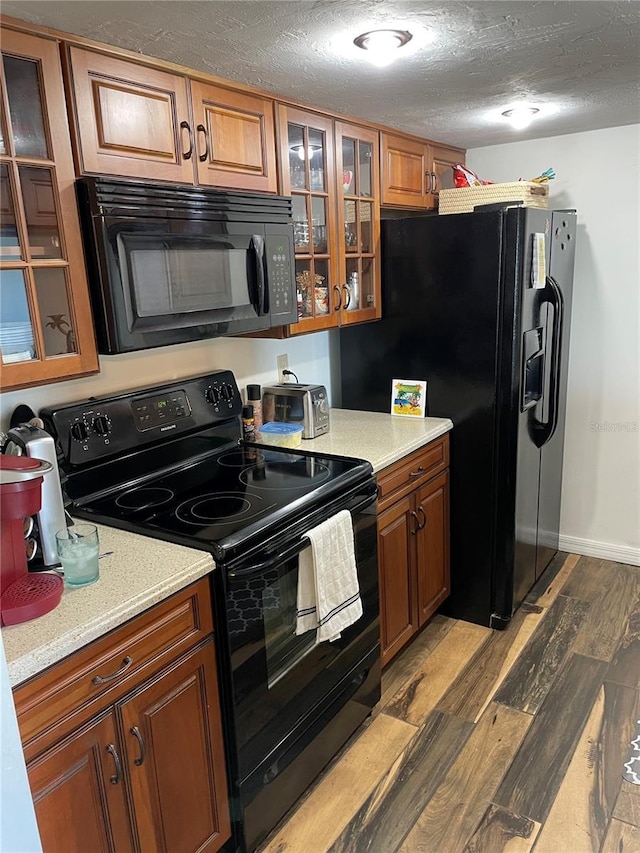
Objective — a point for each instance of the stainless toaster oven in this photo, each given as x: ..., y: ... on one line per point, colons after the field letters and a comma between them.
x: 297, y: 403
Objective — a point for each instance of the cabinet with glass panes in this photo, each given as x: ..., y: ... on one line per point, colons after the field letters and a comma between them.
x: 357, y: 167
x: 46, y: 329
x: 308, y: 176
x: 333, y: 180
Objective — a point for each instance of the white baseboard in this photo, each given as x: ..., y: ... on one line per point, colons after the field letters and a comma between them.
x: 603, y: 550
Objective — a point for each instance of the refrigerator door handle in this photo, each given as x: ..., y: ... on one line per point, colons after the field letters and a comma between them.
x: 543, y: 431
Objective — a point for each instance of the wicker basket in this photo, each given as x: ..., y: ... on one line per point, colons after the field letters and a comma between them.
x: 464, y: 199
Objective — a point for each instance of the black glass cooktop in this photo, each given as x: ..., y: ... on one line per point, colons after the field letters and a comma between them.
x: 229, y: 495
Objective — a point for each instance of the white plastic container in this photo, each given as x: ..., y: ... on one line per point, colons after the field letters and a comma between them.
x: 281, y: 435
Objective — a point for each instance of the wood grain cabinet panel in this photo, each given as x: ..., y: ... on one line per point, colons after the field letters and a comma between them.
x: 413, y: 543
x: 404, y: 172
x: 175, y: 758
x: 130, y: 120
x: 79, y: 792
x: 141, y: 766
x: 442, y: 158
x: 235, y: 138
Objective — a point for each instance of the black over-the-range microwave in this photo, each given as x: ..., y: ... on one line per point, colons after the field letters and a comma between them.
x: 169, y: 264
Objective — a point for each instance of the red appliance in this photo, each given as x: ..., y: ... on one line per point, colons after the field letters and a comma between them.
x: 23, y: 596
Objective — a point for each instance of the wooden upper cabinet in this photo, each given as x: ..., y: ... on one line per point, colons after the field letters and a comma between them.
x: 442, y: 158
x: 142, y: 122
x: 130, y: 119
x: 46, y: 330
x: 308, y: 175
x: 405, y: 172
x: 358, y: 177
x: 235, y: 138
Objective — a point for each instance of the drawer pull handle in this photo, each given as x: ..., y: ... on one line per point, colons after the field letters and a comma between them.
x: 415, y: 529
x: 424, y: 518
x: 417, y: 473
x: 135, y: 731
x: 102, y: 679
x: 116, y: 760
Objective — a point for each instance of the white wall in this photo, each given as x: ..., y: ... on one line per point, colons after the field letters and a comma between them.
x: 598, y: 173
x: 251, y: 359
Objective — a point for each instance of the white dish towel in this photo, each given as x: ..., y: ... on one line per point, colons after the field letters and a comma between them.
x: 328, y: 590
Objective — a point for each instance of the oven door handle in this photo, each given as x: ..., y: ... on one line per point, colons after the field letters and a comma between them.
x: 265, y: 565
x: 282, y: 556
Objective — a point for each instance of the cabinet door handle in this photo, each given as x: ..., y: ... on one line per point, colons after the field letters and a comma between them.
x: 415, y: 529
x: 417, y: 473
x: 202, y: 129
x: 102, y: 679
x: 338, y: 293
x: 424, y: 518
x: 434, y: 183
x: 116, y: 760
x: 135, y: 731
x: 347, y: 296
x: 186, y: 155
x: 428, y: 187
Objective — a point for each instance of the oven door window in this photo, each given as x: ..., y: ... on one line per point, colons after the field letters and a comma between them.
x: 279, y: 677
x: 176, y: 280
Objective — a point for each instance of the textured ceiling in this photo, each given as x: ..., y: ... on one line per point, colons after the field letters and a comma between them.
x: 578, y: 61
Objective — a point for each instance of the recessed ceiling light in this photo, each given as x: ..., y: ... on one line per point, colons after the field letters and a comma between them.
x: 520, y: 117
x: 382, y: 44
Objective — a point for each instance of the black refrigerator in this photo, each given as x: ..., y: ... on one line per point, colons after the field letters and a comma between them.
x: 479, y: 305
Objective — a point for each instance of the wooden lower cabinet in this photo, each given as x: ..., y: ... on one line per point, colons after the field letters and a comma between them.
x: 413, y: 546
x: 175, y: 758
x: 139, y: 765
x: 79, y: 793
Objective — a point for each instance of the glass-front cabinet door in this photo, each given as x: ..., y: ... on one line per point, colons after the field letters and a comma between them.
x: 308, y: 170
x: 46, y: 330
x: 357, y: 167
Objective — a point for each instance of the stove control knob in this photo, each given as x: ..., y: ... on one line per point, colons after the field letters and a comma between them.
x: 79, y: 431
x: 226, y: 391
x: 101, y: 425
x: 212, y: 395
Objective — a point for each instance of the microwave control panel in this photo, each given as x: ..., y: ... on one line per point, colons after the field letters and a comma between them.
x: 279, y: 254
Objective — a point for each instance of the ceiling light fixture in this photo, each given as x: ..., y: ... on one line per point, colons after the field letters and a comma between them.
x: 308, y: 154
x: 520, y: 117
x: 382, y: 44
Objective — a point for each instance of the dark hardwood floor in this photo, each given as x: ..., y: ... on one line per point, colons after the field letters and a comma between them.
x: 489, y: 741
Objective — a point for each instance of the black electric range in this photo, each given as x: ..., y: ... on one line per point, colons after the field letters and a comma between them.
x: 167, y: 462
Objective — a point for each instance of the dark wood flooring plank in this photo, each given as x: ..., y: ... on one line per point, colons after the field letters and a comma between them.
x: 584, y: 804
x: 475, y: 686
x: 531, y: 783
x: 431, y: 680
x: 402, y: 668
x: 532, y: 675
x: 600, y: 635
x: 554, y: 586
x: 503, y: 832
x: 622, y: 838
x: 625, y: 664
x: 397, y: 801
x: 457, y: 807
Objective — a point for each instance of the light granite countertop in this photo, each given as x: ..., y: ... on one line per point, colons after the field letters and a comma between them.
x: 377, y: 437
x: 143, y: 571
x: 140, y: 573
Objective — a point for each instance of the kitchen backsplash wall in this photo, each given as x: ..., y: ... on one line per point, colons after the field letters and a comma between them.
x: 251, y: 359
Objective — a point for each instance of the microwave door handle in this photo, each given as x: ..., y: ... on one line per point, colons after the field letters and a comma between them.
x: 257, y: 247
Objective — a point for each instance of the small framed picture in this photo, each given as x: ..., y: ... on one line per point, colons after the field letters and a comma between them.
x: 408, y: 397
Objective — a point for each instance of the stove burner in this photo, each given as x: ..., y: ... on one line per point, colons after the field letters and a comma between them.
x: 241, y: 458
x: 302, y: 473
x: 145, y: 498
x: 218, y: 507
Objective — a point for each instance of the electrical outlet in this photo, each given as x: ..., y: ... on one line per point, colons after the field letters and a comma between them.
x: 283, y: 364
